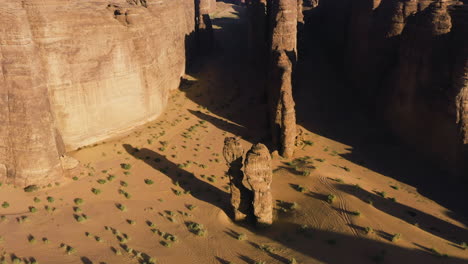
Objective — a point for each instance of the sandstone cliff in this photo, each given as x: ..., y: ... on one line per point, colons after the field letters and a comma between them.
x: 76, y: 72
x: 406, y: 62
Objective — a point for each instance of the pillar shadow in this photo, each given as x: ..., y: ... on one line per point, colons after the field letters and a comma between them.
x: 337, y: 248
x: 199, y: 189
x: 424, y: 221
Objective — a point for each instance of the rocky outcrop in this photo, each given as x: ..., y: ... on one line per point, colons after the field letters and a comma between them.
x: 283, y: 56
x: 260, y: 175
x: 300, y: 15
x: 459, y: 36
x: 406, y: 59
x: 207, y: 6
x: 29, y: 142
x: 241, y: 197
x: 72, y: 69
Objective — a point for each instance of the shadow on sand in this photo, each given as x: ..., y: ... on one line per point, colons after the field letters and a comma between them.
x: 199, y: 189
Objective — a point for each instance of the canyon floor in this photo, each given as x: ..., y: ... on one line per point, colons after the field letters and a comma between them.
x: 141, y: 195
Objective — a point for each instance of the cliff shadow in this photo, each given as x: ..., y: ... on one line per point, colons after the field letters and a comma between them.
x: 422, y: 220
x: 335, y: 248
x: 328, y: 106
x: 199, y: 189
x: 224, y: 83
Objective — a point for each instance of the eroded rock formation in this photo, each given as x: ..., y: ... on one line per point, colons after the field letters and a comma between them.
x: 241, y: 197
x: 260, y: 175
x: 459, y: 36
x: 283, y: 56
x: 72, y: 69
x: 406, y: 61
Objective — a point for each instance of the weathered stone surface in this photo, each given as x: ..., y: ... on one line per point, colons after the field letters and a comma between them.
x: 69, y: 163
x: 72, y: 69
x: 288, y: 124
x: 260, y: 175
x: 405, y: 59
x: 207, y: 6
x: 241, y: 197
x: 283, y: 25
x: 300, y: 15
x: 283, y: 43
x: 459, y: 39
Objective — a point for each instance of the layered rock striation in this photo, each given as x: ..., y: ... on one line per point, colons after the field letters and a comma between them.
x: 241, y: 197
x: 283, y: 16
x: 71, y: 70
x: 259, y: 175
x: 405, y: 60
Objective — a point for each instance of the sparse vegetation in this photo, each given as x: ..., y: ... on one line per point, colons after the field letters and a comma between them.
x: 331, y: 198
x: 382, y: 194
x: 437, y: 253
x: 148, y: 181
x: 463, y: 245
x: 101, y: 181
x: 191, y: 207
x: 241, y: 236
x: 31, y: 188
x: 78, y: 201
x: 196, y: 228
x: 395, y: 237
x: 356, y: 213
x: 125, y: 166
x: 121, y: 207
x: 32, y: 209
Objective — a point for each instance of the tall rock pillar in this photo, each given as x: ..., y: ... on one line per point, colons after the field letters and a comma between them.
x: 260, y: 175
x: 283, y: 16
x: 241, y: 197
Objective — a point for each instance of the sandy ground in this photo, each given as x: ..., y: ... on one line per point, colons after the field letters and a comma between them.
x: 170, y: 173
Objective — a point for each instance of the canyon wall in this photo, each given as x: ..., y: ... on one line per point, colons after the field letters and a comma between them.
x: 405, y: 60
x: 76, y: 72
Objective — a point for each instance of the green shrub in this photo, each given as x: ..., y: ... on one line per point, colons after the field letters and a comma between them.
x: 125, y: 166
x: 148, y: 181
x: 31, y: 188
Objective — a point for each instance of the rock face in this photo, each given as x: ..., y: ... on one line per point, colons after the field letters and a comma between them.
x: 459, y: 16
x: 207, y: 6
x: 300, y: 15
x: 241, y: 197
x: 283, y: 43
x: 260, y: 175
x: 72, y: 69
x: 406, y: 60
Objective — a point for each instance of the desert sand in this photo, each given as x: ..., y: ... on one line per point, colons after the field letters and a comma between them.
x: 135, y: 198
